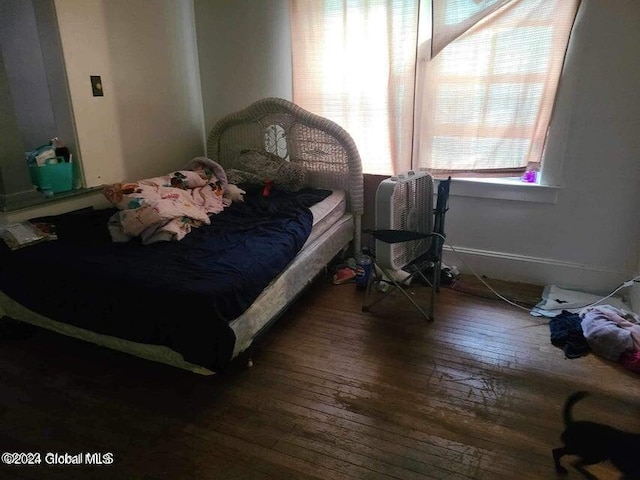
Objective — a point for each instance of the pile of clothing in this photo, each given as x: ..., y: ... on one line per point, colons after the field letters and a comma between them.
x: 608, y: 331
x: 614, y: 334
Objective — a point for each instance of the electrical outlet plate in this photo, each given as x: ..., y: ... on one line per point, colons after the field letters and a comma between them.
x: 96, y: 86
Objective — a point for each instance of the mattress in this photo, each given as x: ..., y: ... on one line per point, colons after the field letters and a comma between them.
x: 283, y: 290
x: 332, y: 230
x: 326, y: 213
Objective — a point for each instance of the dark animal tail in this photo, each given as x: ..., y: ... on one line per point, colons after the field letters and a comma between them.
x: 568, y: 405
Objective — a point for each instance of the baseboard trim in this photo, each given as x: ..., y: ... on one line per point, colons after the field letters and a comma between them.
x: 537, y: 270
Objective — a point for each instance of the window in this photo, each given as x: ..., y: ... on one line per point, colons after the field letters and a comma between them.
x: 487, y: 97
x: 354, y: 62
x: 480, y: 106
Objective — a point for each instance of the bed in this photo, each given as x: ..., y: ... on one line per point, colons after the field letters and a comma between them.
x: 177, y: 327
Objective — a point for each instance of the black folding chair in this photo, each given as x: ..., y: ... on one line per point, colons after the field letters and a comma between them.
x: 430, y: 260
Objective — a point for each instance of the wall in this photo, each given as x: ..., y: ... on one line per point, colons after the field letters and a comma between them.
x: 150, y: 118
x: 244, y: 48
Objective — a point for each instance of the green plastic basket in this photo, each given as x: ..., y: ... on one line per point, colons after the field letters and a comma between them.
x: 54, y: 177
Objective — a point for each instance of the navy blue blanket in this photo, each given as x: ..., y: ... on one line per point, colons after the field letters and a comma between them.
x: 178, y: 294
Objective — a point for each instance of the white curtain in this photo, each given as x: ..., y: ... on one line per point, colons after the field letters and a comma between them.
x: 481, y: 106
x: 354, y: 63
x: 452, y: 18
x: 486, y: 99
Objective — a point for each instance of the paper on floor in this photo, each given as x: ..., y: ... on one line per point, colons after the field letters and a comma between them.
x: 556, y: 299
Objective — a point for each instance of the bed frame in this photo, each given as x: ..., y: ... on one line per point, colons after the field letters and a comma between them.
x: 332, y: 161
x: 331, y: 158
x: 324, y: 148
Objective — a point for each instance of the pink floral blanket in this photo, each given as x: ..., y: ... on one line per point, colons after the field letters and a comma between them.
x: 166, y: 208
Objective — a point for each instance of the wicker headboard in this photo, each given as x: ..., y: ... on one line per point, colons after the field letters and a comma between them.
x: 325, y: 149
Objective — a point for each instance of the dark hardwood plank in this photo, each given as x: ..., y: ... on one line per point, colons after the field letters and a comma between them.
x: 334, y: 393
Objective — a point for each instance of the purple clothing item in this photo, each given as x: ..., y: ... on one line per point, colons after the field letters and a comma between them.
x: 604, y: 335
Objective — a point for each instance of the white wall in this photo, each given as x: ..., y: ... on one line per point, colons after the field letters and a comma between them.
x: 244, y: 48
x: 590, y: 238
x: 150, y: 118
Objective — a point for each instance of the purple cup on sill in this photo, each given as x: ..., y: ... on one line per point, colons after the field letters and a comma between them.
x: 530, y: 177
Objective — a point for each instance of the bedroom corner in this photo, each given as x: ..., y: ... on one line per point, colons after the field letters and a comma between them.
x: 191, y: 325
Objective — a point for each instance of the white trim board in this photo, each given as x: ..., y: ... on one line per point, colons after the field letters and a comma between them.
x: 537, y: 270
x: 93, y: 199
x: 503, y: 189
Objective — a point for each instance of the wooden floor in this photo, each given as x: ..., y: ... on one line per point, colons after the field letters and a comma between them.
x: 334, y: 393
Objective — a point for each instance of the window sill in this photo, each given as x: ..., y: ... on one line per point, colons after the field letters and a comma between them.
x: 42, y: 200
x: 503, y: 189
